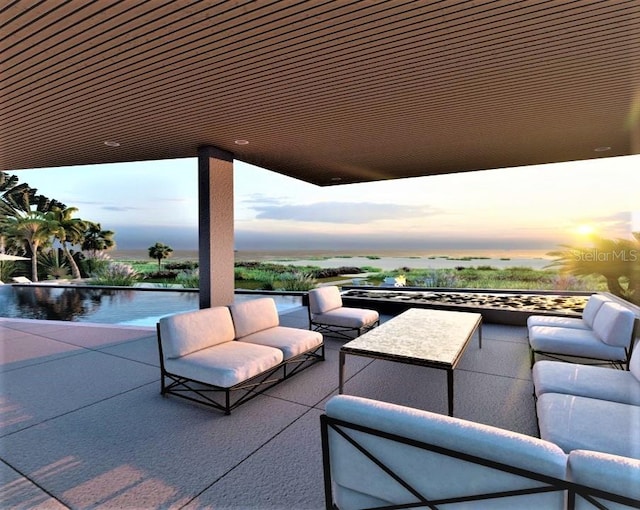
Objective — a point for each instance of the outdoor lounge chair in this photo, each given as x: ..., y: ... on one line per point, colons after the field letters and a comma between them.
x: 328, y: 315
x: 21, y: 279
x: 609, y: 342
x: 592, y: 307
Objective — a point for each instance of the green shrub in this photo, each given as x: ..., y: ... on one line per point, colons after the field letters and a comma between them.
x: 297, y: 281
x: 189, y: 279
x: 115, y: 273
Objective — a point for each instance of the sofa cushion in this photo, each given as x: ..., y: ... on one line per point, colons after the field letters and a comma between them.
x: 592, y: 307
x: 556, y: 321
x: 611, y: 473
x: 614, y: 324
x: 573, y: 342
x: 433, y: 474
x: 323, y: 299
x: 187, y: 332
x: 254, y: 315
x: 291, y: 341
x: 226, y: 364
x: 581, y: 423
x: 347, y: 317
x: 586, y: 381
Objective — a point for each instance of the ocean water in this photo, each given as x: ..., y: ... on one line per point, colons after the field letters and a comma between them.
x: 384, y: 260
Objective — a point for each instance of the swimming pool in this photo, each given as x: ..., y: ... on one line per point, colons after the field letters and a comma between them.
x: 108, y: 305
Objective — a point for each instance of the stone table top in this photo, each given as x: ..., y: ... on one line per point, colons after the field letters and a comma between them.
x: 435, y: 337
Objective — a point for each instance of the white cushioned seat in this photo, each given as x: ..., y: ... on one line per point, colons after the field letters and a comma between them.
x: 359, y: 483
x: 573, y: 342
x: 602, y: 471
x: 291, y: 341
x: 225, y: 364
x: 589, y: 381
x: 592, y: 307
x: 581, y: 423
x: 187, y: 332
x: 348, y: 317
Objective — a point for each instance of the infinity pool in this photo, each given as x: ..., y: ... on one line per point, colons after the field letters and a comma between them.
x: 134, y: 307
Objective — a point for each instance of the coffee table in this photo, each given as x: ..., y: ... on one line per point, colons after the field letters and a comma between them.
x: 419, y: 336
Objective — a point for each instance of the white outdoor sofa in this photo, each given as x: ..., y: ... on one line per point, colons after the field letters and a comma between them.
x: 381, y: 455
x: 224, y: 356
x: 589, y: 407
x: 604, y: 335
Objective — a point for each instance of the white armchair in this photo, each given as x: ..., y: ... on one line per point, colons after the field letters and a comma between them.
x: 328, y: 315
x: 609, y: 342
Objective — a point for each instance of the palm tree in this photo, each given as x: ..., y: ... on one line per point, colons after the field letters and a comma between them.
x: 71, y: 232
x: 618, y: 260
x: 160, y: 251
x: 95, y: 239
x: 35, y: 229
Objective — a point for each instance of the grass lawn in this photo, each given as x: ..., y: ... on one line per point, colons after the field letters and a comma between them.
x: 270, y: 276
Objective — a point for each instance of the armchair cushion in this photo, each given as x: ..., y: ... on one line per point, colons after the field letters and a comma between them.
x: 189, y: 332
x: 324, y: 299
x: 614, y: 324
x: 592, y: 307
x: 347, y: 317
x: 573, y: 342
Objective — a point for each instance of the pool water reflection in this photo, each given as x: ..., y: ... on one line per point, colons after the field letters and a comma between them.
x: 139, y: 307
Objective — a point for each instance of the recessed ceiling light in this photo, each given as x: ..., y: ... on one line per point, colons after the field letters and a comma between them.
x: 241, y: 142
x: 602, y: 149
x: 112, y: 143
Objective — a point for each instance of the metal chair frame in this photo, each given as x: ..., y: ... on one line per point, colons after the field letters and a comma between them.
x: 340, y: 331
x: 574, y: 491
x: 228, y: 398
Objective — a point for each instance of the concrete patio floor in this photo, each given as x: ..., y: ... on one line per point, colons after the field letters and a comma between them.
x: 83, y: 424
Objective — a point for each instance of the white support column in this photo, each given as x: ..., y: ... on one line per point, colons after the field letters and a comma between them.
x: 216, y: 243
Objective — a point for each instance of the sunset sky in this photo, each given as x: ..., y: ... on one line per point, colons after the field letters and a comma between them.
x: 523, y: 210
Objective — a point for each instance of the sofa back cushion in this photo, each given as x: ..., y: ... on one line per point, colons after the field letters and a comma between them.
x: 594, y: 303
x: 358, y: 481
x: 324, y: 299
x: 603, y: 471
x: 254, y: 315
x: 614, y: 324
x: 184, y: 333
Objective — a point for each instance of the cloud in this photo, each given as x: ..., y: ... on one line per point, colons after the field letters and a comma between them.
x: 119, y: 208
x: 342, y: 212
x: 261, y: 199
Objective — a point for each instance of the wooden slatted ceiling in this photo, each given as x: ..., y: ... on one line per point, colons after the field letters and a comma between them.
x: 326, y: 91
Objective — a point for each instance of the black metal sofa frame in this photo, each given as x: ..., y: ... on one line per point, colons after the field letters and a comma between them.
x: 592, y: 497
